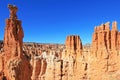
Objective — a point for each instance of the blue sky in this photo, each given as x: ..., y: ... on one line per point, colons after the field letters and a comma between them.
x: 50, y: 21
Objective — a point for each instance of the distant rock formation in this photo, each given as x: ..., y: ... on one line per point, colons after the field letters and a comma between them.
x: 73, y: 48
x: 15, y: 66
x: 73, y: 45
x: 36, y: 49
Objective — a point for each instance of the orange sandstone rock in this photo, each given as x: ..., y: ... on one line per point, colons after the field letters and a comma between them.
x: 104, y: 59
x: 15, y: 66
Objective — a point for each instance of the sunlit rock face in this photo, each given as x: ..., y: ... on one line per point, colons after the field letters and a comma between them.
x: 77, y: 62
x: 69, y: 65
x: 46, y: 66
x: 73, y: 45
x: 104, y: 63
x: 72, y: 61
x: 106, y: 39
x: 14, y: 63
x: 74, y: 65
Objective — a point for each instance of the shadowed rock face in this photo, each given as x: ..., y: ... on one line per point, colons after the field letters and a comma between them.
x: 15, y: 65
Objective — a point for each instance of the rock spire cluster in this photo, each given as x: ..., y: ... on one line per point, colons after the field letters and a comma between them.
x: 105, y: 56
x: 105, y: 39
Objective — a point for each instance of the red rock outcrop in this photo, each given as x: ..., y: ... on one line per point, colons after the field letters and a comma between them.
x: 101, y: 37
x: 73, y: 45
x: 44, y: 66
x: 15, y: 65
x: 39, y: 69
x: 74, y: 65
x: 104, y: 60
x: 49, y: 65
x: 104, y: 38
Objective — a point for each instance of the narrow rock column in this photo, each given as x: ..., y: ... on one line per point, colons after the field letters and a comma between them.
x: 16, y: 65
x: 114, y: 33
x: 72, y: 60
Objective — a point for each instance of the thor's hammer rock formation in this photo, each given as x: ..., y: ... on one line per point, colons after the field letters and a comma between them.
x: 15, y: 65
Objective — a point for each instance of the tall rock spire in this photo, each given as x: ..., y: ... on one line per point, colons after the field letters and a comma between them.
x: 13, y: 37
x: 15, y: 63
x: 73, y: 44
x: 114, y: 33
x: 104, y: 38
x: 114, y: 26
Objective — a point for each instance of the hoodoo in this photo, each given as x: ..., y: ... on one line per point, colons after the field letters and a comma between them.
x: 15, y: 65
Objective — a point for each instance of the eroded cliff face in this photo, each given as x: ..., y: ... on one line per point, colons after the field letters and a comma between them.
x: 15, y: 66
x: 73, y: 46
x: 105, y: 39
x: 68, y: 65
x: 104, y: 62
x: 74, y: 64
